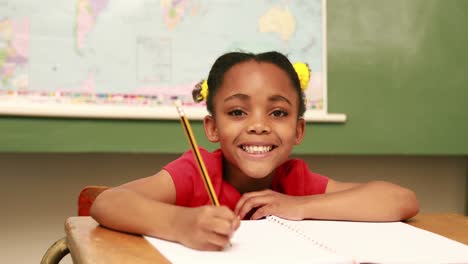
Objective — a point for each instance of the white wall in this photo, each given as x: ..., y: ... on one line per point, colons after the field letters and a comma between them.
x: 39, y: 191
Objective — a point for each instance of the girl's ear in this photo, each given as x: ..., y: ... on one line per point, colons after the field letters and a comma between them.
x: 300, y: 130
x: 211, y: 132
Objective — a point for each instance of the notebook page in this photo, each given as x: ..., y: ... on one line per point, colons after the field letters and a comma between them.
x: 260, y: 241
x: 391, y: 242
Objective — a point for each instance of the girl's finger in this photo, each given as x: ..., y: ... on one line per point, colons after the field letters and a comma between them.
x: 221, y: 226
x: 252, y: 203
x: 217, y: 241
x: 247, y: 196
x: 262, y: 212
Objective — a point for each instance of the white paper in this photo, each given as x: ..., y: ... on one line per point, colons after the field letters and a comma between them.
x: 260, y: 241
x: 276, y: 240
x: 390, y: 242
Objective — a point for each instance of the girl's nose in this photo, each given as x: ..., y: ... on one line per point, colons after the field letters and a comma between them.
x: 259, y: 126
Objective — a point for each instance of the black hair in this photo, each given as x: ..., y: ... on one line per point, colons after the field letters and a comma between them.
x: 226, y: 61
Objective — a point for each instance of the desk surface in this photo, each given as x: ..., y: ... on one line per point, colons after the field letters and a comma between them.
x: 91, y: 243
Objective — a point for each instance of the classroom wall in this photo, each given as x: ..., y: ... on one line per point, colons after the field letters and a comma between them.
x: 39, y: 191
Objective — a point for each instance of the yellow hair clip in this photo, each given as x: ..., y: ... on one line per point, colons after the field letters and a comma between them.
x: 203, y: 86
x: 303, y: 72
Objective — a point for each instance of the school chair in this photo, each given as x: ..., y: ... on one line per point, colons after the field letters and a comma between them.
x: 59, y: 249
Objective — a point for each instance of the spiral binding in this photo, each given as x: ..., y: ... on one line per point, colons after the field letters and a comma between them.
x: 299, y: 232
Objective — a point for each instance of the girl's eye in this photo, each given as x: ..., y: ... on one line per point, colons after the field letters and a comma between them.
x: 236, y: 112
x: 279, y: 113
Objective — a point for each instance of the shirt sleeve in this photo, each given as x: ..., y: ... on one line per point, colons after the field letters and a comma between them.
x: 315, y: 183
x: 182, y: 171
x: 296, y: 179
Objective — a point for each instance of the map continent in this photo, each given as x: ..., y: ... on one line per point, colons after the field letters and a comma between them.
x: 87, y: 14
x: 173, y: 12
x: 14, y: 53
x: 278, y: 20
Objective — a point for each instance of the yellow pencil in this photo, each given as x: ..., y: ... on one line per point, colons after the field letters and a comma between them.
x: 198, y: 158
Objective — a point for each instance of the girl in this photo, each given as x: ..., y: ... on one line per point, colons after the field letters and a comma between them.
x: 256, y: 106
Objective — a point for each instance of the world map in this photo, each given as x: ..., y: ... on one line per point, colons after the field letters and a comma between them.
x: 148, y: 51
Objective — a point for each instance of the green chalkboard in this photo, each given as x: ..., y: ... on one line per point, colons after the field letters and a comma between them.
x: 397, y: 69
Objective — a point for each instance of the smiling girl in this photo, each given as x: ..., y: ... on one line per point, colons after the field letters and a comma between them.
x: 256, y: 106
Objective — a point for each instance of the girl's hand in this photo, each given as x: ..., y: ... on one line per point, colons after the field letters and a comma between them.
x: 269, y: 202
x: 206, y: 227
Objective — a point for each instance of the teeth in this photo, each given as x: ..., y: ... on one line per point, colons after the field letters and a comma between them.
x: 257, y: 149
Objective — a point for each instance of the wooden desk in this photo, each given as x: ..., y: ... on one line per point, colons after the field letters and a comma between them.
x: 91, y: 243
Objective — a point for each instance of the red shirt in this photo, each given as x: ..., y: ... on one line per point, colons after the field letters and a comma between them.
x: 292, y: 178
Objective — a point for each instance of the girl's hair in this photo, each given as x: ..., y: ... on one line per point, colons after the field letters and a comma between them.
x: 226, y: 61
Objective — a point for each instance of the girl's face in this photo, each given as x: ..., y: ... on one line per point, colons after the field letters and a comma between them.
x: 255, y: 120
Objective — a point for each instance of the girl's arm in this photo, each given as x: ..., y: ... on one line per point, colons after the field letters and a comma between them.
x: 146, y: 206
x: 372, y: 201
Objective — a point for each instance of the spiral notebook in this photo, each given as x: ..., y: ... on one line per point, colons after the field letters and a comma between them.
x: 276, y: 240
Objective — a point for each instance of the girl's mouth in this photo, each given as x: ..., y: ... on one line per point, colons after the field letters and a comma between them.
x: 251, y: 149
